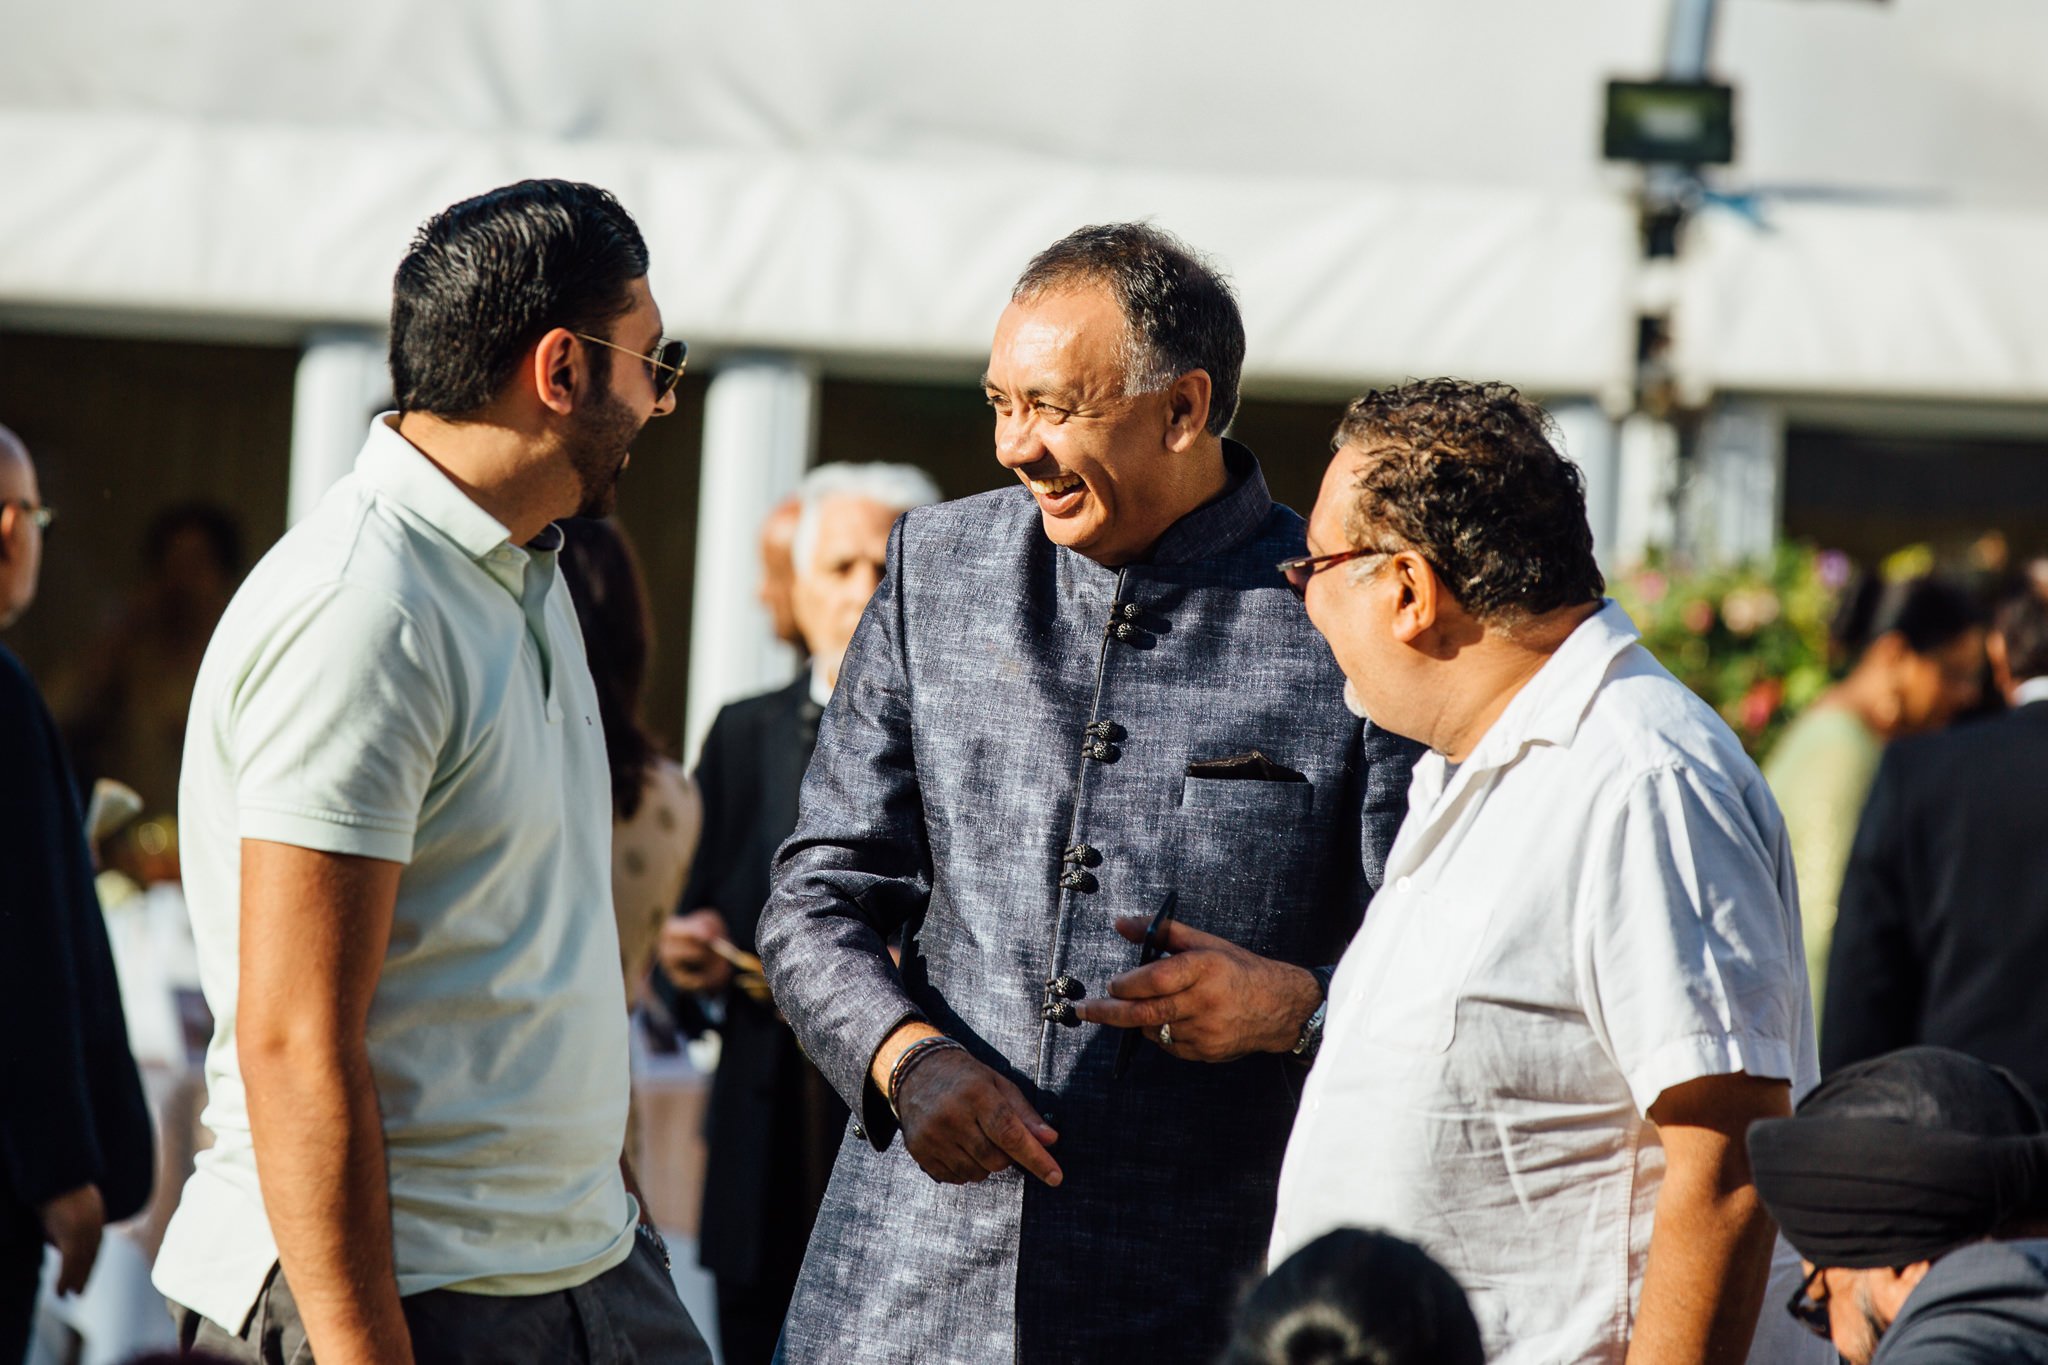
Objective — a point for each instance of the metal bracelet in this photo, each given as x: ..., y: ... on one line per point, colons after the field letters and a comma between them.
x: 916, y: 1052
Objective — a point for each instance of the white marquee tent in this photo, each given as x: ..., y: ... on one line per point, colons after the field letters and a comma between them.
x: 1397, y: 188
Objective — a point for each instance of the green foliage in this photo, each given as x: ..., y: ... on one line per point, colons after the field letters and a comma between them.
x: 1751, y: 639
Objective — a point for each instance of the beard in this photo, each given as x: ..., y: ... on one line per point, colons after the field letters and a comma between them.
x: 598, y: 443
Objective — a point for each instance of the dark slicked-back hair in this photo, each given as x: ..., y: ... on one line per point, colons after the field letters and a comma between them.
x: 1179, y: 309
x: 488, y: 277
x: 1468, y: 475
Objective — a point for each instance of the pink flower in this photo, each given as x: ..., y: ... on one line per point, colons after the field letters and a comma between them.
x: 1651, y: 587
x: 1697, y: 616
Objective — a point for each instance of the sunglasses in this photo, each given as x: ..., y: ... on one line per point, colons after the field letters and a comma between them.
x: 664, y: 363
x: 1809, y: 1312
x: 41, y: 516
x: 1299, y: 571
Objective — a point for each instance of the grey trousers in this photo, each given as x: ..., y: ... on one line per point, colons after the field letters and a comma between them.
x: 627, y: 1316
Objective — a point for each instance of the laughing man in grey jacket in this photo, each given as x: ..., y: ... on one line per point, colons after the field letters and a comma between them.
x: 1070, y: 703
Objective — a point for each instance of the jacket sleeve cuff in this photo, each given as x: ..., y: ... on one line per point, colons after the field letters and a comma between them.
x: 877, y: 1120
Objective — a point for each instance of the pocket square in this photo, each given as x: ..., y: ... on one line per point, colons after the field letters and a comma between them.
x: 1247, y: 767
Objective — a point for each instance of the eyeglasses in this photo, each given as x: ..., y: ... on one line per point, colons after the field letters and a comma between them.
x: 1809, y: 1312
x: 1299, y: 571
x: 664, y: 363
x: 41, y: 516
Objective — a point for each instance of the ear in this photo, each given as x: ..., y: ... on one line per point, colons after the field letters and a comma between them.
x: 10, y: 523
x: 558, y: 370
x: 1187, y: 410
x: 1421, y: 596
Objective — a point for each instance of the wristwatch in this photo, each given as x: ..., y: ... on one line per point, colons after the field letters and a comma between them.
x: 1312, y: 1031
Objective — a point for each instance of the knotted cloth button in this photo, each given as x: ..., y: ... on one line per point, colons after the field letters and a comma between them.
x: 1130, y: 611
x: 1068, y: 987
x: 1105, y: 729
x: 1125, y: 630
x: 1074, y: 879
x: 1083, y: 855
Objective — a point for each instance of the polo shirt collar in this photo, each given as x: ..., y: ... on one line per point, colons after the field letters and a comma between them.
x: 1551, y: 705
x: 396, y: 469
x: 1218, y: 525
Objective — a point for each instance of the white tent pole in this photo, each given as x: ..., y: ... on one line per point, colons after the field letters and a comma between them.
x: 760, y: 418
x: 340, y: 384
x: 1593, y: 442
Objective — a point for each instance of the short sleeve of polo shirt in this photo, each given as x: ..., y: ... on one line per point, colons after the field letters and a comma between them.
x: 1684, y: 938
x: 335, y: 728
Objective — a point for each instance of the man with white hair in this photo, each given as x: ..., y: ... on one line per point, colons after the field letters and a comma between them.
x: 775, y: 1124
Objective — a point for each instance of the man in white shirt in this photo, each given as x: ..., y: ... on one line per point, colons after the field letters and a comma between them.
x: 1582, y: 979
x: 396, y: 821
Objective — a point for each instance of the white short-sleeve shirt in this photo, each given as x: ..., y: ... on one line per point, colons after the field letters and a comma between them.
x: 396, y: 680
x: 1596, y: 906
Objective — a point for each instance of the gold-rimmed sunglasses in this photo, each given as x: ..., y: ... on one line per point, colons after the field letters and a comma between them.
x: 664, y: 363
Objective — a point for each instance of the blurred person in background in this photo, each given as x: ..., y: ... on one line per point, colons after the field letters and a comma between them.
x: 396, y: 816
x: 775, y: 1124
x: 1915, y: 1188
x: 124, y: 710
x: 1943, y: 931
x: 1582, y: 979
x: 778, y: 575
x: 657, y: 813
x: 75, y: 1149
x: 1916, y: 652
x: 1357, y: 1297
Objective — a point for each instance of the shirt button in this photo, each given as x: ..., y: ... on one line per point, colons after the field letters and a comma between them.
x: 860, y: 1131
x: 1402, y: 886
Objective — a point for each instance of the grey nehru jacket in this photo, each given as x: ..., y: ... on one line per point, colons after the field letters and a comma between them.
x: 1002, y: 772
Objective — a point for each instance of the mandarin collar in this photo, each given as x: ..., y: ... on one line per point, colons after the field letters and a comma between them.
x: 1221, y: 523
x: 397, y: 470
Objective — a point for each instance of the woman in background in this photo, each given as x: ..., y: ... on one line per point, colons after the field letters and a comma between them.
x: 656, y: 812
x: 1917, y: 660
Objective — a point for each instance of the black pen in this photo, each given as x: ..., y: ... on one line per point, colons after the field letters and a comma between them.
x: 1153, y: 949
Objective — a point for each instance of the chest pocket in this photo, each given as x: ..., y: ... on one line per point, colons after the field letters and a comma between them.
x: 1423, y: 953
x: 1244, y: 860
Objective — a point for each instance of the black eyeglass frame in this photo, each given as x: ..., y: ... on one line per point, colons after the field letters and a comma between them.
x: 665, y: 363
x: 43, y: 516
x: 1300, y: 570
x: 1809, y: 1312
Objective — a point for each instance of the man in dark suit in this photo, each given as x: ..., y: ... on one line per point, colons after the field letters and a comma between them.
x: 1943, y: 933
x: 75, y: 1149
x: 775, y: 1125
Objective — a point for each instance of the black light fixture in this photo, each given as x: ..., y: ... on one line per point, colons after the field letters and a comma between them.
x: 1682, y: 123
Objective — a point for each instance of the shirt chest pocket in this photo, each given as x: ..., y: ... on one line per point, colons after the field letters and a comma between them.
x: 1423, y: 952
x: 1243, y: 860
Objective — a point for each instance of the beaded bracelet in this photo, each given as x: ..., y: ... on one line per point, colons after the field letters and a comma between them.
x: 916, y: 1052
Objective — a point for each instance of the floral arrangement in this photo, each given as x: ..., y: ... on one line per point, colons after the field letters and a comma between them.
x: 1751, y: 639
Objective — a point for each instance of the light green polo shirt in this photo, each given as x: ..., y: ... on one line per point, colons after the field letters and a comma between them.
x: 396, y: 680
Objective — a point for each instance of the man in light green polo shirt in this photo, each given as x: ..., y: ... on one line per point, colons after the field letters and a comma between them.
x: 396, y: 824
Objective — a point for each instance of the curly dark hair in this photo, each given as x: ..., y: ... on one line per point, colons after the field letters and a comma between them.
x: 1468, y: 476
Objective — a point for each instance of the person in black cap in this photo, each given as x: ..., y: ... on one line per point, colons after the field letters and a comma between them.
x: 1915, y: 1187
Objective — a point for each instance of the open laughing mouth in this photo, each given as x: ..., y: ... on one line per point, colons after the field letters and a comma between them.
x: 1058, y: 494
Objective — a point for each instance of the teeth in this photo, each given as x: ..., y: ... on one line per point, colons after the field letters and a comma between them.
x: 1058, y: 484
